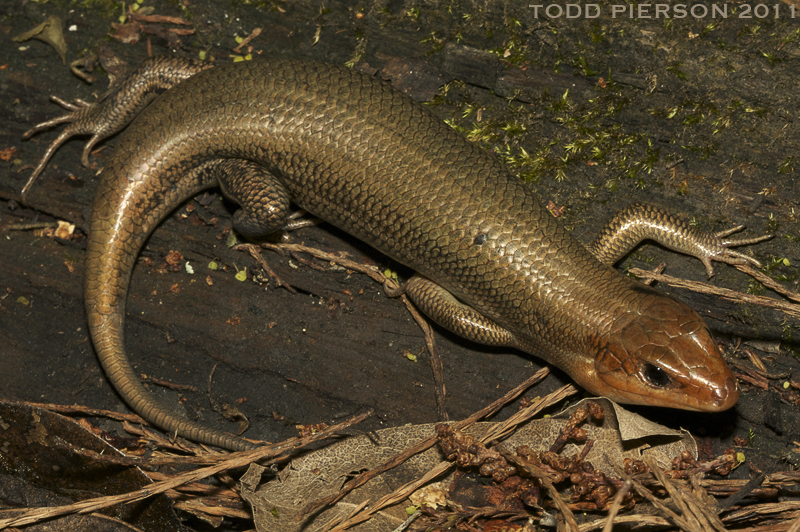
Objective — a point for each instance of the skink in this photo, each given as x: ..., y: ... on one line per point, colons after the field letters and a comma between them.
x: 492, y: 264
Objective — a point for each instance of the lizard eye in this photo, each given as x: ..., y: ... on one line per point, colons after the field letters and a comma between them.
x: 656, y: 376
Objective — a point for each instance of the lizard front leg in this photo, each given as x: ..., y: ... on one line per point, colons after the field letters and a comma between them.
x: 443, y: 308
x: 641, y: 221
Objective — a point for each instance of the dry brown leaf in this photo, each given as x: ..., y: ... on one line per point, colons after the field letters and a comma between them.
x: 50, y: 32
x: 276, y: 504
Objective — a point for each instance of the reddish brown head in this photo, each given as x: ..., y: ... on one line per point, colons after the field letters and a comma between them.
x: 661, y: 353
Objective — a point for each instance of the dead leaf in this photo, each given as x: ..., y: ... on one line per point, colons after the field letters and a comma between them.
x: 128, y: 33
x: 49, y: 31
x: 7, y: 154
x: 48, y: 459
x: 64, y: 230
x: 276, y: 504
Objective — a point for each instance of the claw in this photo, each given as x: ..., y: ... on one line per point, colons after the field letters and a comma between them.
x: 87, y: 149
x: 747, y: 241
x: 46, y: 125
x: 730, y: 256
x: 69, y: 106
x: 728, y: 232
x: 66, y: 134
x: 709, y: 268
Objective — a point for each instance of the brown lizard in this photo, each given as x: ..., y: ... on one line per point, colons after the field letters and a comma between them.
x: 492, y: 264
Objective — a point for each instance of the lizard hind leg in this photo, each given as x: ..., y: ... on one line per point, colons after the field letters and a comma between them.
x: 78, y: 124
x: 443, y: 308
x: 263, y: 200
x: 115, y: 109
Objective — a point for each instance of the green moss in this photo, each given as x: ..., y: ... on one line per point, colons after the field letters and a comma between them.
x: 780, y: 269
x: 358, y: 51
x: 787, y: 167
x: 435, y: 40
x: 788, y: 335
x: 675, y: 70
x: 771, y: 58
x: 708, y: 28
x: 597, y: 33
x: 772, y: 223
x: 514, y: 49
x: 581, y: 63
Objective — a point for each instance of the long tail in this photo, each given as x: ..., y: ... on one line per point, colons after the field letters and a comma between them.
x: 114, y: 243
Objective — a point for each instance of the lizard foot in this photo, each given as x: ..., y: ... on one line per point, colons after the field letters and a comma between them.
x: 719, y: 249
x: 80, y: 123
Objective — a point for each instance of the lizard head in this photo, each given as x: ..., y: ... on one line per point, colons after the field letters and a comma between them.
x: 661, y: 353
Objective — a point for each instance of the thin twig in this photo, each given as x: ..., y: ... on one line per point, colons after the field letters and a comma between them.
x: 791, y: 309
x: 536, y: 472
x: 377, y: 275
x: 437, y: 471
x: 32, y: 226
x: 704, y: 503
x: 693, y: 525
x: 504, y: 428
x: 372, y: 271
x: 616, y: 505
x: 436, y: 362
x: 76, y: 409
x: 644, y: 492
x: 769, y: 282
x: 392, y: 498
x: 253, y: 250
x: 238, y: 459
x: 424, y: 444
x: 642, y: 521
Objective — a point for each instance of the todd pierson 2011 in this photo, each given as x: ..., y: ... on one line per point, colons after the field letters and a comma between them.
x: 659, y: 11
